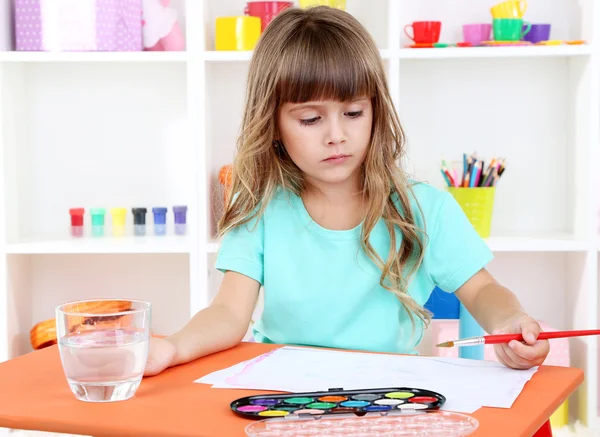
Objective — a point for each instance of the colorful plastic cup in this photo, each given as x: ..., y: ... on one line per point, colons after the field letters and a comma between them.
x: 97, y: 221
x: 180, y: 213
x: 160, y: 220
x: 118, y: 221
x: 477, y: 33
x: 538, y: 33
x: 139, y: 221
x: 510, y: 29
x: 76, y: 221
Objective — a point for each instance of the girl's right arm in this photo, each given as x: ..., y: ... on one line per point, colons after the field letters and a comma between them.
x: 218, y: 327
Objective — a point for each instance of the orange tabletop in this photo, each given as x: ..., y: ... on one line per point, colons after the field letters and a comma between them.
x: 34, y: 395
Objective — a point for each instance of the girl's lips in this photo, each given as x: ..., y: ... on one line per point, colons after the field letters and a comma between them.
x: 337, y: 159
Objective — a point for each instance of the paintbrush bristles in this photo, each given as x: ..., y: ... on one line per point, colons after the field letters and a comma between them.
x: 446, y: 344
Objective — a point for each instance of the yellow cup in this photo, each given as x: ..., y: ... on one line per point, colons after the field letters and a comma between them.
x: 237, y: 33
x: 477, y: 204
x: 509, y: 9
x: 338, y: 4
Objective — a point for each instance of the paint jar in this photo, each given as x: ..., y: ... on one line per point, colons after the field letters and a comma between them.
x: 160, y: 220
x: 97, y: 221
x: 180, y: 213
x: 118, y: 221
x: 76, y: 221
x: 139, y: 221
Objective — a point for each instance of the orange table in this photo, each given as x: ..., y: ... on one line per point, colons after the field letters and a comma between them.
x: 34, y: 395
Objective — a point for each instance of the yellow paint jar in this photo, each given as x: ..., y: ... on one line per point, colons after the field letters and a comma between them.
x: 118, y: 221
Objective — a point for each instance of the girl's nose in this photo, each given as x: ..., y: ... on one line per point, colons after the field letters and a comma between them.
x: 336, y: 132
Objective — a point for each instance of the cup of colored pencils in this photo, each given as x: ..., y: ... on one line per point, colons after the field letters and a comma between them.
x: 474, y: 188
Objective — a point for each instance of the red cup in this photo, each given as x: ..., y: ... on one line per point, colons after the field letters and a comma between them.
x: 266, y: 11
x: 424, y: 31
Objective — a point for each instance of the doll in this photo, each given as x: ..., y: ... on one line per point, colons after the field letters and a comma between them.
x: 160, y: 27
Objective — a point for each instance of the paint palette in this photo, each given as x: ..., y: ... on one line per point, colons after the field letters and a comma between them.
x: 337, y: 401
x: 392, y: 424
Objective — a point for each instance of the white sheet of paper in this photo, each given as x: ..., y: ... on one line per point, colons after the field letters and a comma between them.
x: 466, y: 384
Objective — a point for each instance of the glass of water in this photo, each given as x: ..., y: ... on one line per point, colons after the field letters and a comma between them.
x: 103, y: 345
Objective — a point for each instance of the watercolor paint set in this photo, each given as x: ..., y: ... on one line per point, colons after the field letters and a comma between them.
x: 337, y: 401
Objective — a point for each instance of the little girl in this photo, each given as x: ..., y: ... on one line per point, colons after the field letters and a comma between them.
x: 347, y: 248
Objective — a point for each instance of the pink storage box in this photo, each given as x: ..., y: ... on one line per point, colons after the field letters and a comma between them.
x: 78, y: 25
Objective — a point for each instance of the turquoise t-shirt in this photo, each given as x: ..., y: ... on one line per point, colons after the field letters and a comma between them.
x: 321, y: 289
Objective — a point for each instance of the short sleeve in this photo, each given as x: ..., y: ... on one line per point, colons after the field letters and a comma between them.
x: 455, y: 251
x: 241, y: 250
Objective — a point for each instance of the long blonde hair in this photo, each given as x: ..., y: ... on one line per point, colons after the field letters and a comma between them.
x: 325, y: 53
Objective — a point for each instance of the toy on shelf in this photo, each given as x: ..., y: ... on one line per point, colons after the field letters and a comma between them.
x: 475, y: 190
x: 97, y: 221
x: 180, y: 216
x: 139, y: 221
x: 161, y: 29
x: 94, y: 25
x: 160, y: 220
x: 424, y: 32
x: 507, y: 28
x: 265, y: 10
x: 76, y: 221
x: 241, y: 33
x: 225, y: 177
x: 338, y: 4
x: 119, y: 221
x: 43, y: 334
x: 237, y: 33
x: 509, y: 9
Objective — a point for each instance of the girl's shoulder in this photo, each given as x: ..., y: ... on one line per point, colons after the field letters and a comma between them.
x: 426, y: 201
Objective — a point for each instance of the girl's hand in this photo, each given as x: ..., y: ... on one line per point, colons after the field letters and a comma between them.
x: 161, y: 354
x: 518, y: 355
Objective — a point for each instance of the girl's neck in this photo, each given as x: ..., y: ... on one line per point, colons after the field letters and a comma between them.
x: 335, y: 207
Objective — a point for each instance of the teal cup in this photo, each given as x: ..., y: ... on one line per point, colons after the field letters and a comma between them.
x: 510, y: 29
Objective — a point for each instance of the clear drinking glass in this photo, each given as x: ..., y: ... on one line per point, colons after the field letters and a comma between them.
x: 103, y: 345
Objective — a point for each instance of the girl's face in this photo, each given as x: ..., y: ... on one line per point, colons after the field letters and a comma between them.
x: 327, y: 140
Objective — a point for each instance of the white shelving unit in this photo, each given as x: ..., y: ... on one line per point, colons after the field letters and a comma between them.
x: 153, y: 129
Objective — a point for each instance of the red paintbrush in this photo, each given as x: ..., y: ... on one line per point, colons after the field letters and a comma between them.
x: 505, y: 338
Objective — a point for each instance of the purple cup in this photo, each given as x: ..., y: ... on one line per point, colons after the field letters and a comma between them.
x: 477, y: 33
x: 538, y: 33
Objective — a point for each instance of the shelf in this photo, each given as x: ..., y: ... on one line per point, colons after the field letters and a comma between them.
x: 496, y: 52
x: 227, y: 56
x: 542, y: 243
x: 212, y: 247
x: 238, y: 56
x: 549, y: 243
x: 93, y: 56
x: 148, y: 244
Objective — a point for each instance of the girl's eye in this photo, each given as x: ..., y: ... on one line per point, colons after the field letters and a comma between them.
x: 354, y: 114
x: 309, y: 121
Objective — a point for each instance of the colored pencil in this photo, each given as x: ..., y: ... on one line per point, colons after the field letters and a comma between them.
x: 475, y: 174
x: 505, y: 338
